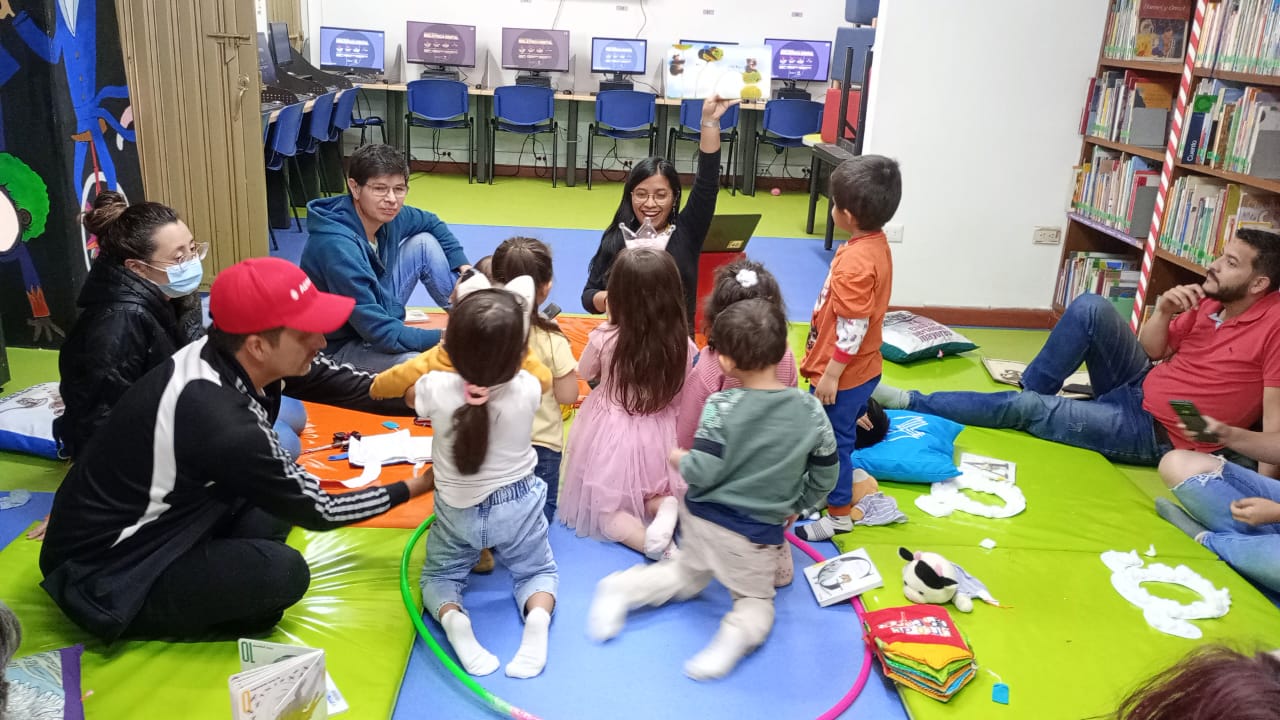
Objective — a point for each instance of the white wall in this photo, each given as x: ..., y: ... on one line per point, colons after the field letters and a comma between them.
x: 745, y: 21
x: 979, y: 102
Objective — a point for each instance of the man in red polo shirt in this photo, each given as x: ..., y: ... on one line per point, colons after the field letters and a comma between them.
x: 1216, y: 344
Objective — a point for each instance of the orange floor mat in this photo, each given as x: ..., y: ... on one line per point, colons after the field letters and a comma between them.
x: 324, y: 420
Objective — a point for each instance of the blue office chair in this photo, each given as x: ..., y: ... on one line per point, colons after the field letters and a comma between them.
x: 860, y: 39
x: 280, y: 144
x: 785, y: 124
x: 362, y: 120
x: 690, y: 129
x: 343, y: 113
x: 439, y: 104
x: 622, y: 115
x: 861, y: 12
x: 315, y: 130
x: 525, y: 110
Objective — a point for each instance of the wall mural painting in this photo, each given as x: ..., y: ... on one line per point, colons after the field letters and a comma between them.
x: 66, y: 134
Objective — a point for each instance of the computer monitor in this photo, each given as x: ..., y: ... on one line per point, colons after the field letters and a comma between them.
x: 800, y: 60
x: 618, y: 56
x: 344, y: 49
x: 440, y: 45
x: 280, y: 47
x: 536, y: 50
x: 266, y: 66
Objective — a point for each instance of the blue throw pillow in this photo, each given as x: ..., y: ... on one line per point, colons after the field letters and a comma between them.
x: 919, y: 448
x: 26, y: 420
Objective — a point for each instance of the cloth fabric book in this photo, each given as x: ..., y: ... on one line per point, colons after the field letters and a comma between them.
x: 920, y: 647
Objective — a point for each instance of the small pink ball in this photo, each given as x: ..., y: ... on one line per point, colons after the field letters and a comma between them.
x: 776, y: 191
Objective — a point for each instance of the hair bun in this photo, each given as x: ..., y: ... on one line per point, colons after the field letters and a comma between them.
x: 107, y: 208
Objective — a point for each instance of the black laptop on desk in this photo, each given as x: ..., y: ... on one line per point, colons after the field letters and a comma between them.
x: 730, y: 233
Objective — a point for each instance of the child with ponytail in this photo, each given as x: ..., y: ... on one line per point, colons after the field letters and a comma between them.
x: 486, y: 493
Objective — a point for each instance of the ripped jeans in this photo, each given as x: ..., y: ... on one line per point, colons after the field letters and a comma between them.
x: 1254, y: 551
x: 1114, y: 424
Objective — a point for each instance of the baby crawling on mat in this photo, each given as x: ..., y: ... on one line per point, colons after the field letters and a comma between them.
x: 761, y: 453
x: 486, y: 493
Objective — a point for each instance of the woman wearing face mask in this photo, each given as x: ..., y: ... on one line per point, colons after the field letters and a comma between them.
x: 138, y: 306
x: 652, y: 195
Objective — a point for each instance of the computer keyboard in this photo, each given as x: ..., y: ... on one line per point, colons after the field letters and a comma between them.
x: 268, y: 107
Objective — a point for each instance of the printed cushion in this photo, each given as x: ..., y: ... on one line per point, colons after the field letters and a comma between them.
x: 909, y: 337
x: 919, y: 448
x: 26, y: 420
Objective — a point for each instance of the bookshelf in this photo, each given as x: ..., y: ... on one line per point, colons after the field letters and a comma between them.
x: 1101, y: 225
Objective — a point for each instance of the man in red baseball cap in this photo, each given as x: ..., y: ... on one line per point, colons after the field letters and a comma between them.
x: 172, y: 522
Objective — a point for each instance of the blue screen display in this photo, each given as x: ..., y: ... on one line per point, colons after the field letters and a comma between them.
x: 617, y: 55
x: 343, y: 48
x: 800, y: 59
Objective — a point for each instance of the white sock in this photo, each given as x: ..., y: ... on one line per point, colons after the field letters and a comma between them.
x: 720, y: 656
x: 532, y: 655
x: 658, y: 535
x: 608, y: 611
x: 825, y: 527
x: 890, y: 397
x: 474, y: 658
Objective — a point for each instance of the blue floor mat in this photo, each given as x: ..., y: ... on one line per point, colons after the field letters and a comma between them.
x: 808, y: 663
x: 800, y: 264
x: 15, y: 521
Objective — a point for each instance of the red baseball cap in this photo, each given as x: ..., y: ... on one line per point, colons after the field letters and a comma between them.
x: 265, y: 293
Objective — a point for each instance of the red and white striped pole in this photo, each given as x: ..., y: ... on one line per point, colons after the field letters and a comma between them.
x: 1166, y: 171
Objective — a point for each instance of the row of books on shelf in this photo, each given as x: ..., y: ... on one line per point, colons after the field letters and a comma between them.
x: 1241, y: 36
x: 1233, y: 128
x: 1154, y: 30
x: 1110, y: 275
x: 1128, y: 107
x: 1203, y: 213
x: 1117, y: 190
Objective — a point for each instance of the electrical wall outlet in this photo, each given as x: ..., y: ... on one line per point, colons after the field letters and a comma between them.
x: 893, y: 233
x: 797, y: 14
x: 1046, y: 236
x: 621, y: 8
x: 708, y: 11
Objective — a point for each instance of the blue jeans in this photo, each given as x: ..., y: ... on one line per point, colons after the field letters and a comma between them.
x: 419, y: 258
x: 1253, y: 551
x: 1113, y: 424
x: 290, y: 423
x: 548, y: 470
x: 511, y: 522
x: 844, y: 413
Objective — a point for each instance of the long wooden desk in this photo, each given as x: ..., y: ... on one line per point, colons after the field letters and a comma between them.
x: 483, y: 110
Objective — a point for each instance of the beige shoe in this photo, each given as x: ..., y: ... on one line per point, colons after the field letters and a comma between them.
x: 484, y: 565
x: 784, y: 570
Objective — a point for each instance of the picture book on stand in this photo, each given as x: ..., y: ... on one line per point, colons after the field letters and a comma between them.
x: 279, y: 681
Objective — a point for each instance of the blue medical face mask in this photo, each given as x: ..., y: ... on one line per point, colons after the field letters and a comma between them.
x: 184, y: 278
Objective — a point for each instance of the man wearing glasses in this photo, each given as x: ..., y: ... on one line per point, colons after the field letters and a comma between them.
x: 368, y: 246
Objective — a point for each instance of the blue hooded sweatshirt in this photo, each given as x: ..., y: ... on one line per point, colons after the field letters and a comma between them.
x: 339, y: 259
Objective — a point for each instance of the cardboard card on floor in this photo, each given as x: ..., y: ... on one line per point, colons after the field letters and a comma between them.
x: 256, y: 654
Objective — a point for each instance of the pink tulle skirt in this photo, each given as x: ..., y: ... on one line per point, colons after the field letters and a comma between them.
x: 614, y: 463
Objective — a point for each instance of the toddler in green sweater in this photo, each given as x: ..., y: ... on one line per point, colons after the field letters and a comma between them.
x: 761, y: 453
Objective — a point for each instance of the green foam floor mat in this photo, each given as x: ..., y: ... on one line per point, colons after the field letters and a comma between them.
x: 352, y: 610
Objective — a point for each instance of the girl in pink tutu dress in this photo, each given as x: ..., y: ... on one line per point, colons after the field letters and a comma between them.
x: 617, y: 484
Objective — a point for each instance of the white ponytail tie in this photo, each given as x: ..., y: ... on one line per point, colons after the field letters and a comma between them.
x: 747, y: 278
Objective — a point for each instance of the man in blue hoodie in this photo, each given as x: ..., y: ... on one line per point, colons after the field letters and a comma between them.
x: 367, y: 245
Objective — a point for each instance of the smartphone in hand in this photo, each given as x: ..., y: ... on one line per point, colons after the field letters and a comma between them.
x: 1193, y: 420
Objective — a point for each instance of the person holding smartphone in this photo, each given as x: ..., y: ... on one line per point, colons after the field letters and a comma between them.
x: 1230, y: 509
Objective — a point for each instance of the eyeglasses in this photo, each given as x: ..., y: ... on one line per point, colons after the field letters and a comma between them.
x: 399, y: 191
x: 196, y: 251
x: 643, y: 197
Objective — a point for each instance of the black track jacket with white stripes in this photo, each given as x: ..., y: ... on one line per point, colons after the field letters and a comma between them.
x: 188, y: 444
